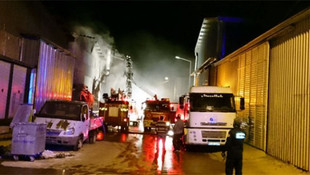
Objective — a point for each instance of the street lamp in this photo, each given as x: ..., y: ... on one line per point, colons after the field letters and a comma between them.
x: 190, y: 69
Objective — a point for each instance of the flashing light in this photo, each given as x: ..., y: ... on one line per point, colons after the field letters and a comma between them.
x: 125, y: 119
x: 165, y: 99
x: 167, y: 123
x: 124, y: 109
x: 99, y: 136
x: 103, y: 109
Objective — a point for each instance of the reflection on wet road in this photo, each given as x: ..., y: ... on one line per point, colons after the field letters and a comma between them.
x: 159, y: 153
x: 156, y: 151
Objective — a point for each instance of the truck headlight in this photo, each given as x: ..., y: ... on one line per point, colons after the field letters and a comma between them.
x: 69, y: 131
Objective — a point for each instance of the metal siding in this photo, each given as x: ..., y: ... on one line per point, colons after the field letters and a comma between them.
x: 241, y: 75
x: 256, y: 84
x: 252, y: 100
x: 252, y: 84
x: 4, y: 83
x: 288, y: 111
x: 18, y: 87
x: 30, y: 51
x: 247, y: 97
x: 54, y: 76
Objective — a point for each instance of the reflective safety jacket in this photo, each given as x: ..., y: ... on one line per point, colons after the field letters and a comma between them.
x: 234, y: 143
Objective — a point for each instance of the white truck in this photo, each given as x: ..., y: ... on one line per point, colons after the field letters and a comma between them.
x: 210, y: 112
x: 69, y: 123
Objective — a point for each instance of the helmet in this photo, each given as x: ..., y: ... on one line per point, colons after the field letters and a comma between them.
x: 237, y: 122
x: 178, y: 116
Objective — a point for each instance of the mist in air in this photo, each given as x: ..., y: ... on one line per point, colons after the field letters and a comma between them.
x: 154, y: 62
x: 155, y: 69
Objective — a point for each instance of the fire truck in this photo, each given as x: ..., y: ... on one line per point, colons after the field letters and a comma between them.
x: 115, y: 112
x: 153, y: 109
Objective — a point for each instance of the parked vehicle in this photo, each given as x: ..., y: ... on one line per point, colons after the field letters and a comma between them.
x: 209, y: 112
x: 69, y: 123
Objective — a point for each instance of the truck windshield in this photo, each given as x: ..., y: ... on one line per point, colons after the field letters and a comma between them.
x: 67, y: 111
x: 157, y: 107
x: 202, y: 102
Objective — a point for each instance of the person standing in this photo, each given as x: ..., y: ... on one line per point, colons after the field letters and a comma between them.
x: 178, y: 131
x: 234, y: 148
x: 161, y: 130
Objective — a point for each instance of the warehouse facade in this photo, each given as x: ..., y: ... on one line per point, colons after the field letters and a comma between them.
x: 272, y: 73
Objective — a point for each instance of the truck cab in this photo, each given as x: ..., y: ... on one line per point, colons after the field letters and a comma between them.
x: 210, y: 112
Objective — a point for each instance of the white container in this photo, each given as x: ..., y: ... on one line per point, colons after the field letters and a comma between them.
x: 28, y: 139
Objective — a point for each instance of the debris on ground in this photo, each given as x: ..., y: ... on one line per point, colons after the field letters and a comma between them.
x: 48, y: 154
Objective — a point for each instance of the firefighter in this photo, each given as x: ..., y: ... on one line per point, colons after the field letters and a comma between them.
x: 84, y: 94
x: 178, y: 131
x: 161, y: 130
x: 234, y: 148
x: 87, y: 96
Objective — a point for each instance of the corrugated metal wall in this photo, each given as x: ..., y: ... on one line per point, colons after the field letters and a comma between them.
x: 30, y: 51
x: 4, y: 85
x: 17, y: 89
x: 54, y: 76
x: 252, y: 85
x: 289, y: 101
x: 247, y: 75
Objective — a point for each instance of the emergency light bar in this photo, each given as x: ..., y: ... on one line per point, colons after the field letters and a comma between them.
x: 165, y: 99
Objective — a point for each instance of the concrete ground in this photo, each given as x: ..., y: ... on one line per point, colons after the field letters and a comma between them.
x: 255, y: 162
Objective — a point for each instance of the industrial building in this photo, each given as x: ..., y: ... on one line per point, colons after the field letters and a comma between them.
x: 39, y: 61
x: 272, y: 73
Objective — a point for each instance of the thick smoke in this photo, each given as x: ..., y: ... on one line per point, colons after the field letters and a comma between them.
x: 154, y: 59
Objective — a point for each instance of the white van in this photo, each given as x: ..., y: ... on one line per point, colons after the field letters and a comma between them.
x: 69, y: 123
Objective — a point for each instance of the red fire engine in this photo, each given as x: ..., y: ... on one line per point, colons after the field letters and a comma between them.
x: 153, y: 109
x: 115, y: 112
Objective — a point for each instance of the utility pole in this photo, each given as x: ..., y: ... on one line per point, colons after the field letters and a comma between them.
x: 129, y: 77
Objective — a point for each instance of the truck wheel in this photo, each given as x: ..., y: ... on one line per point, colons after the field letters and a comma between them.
x: 92, y: 137
x: 124, y: 129
x: 188, y: 148
x: 79, y: 144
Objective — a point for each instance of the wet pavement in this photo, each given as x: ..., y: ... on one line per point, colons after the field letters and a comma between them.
x: 137, y: 152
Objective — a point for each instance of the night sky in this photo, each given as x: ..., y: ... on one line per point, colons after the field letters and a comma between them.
x: 173, y: 22
x: 154, y: 32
